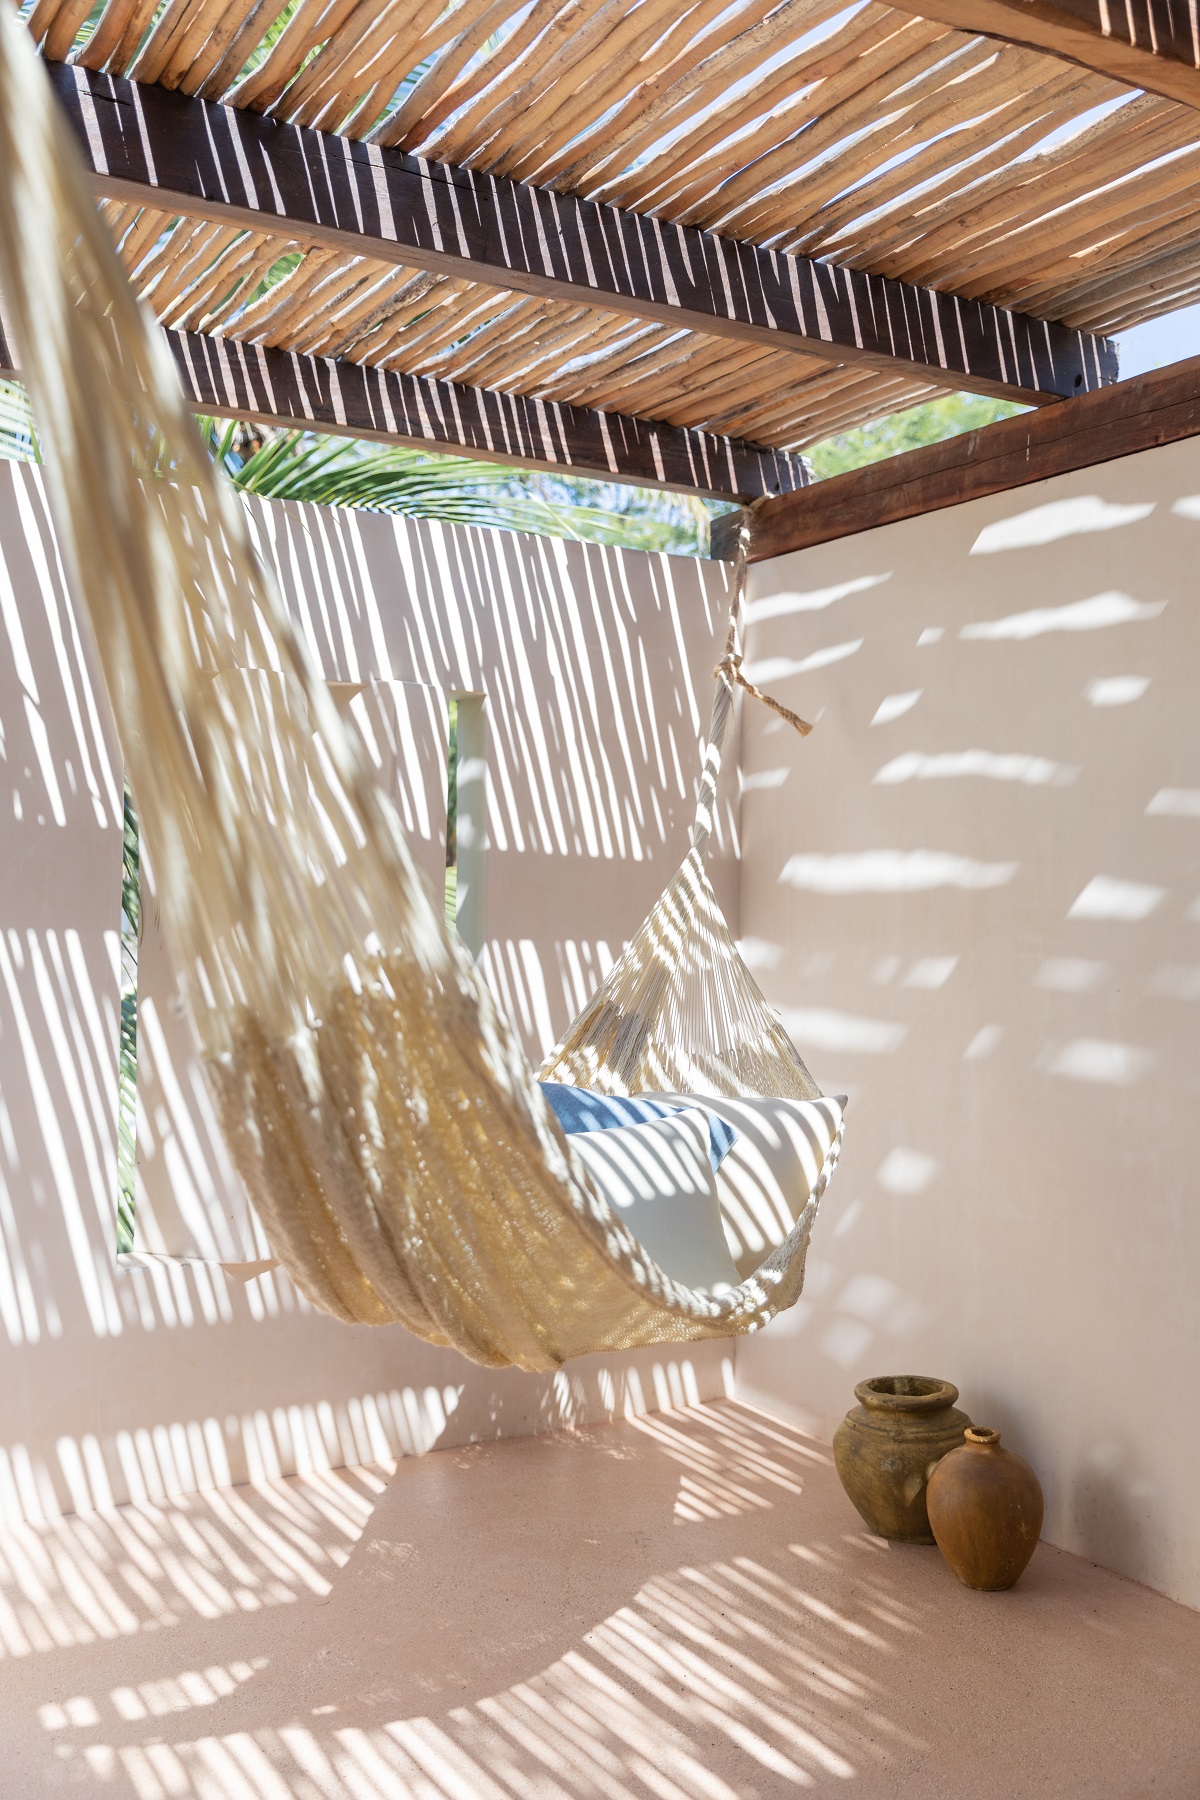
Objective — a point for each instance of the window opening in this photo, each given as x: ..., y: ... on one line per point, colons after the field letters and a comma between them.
x: 468, y: 785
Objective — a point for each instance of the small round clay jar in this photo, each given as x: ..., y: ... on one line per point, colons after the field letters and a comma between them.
x: 888, y: 1445
x: 985, y: 1510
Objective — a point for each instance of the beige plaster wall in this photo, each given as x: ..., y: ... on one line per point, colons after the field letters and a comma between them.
x: 596, y: 671
x: 974, y: 893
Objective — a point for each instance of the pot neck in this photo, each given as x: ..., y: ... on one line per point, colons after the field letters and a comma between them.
x: 908, y: 1394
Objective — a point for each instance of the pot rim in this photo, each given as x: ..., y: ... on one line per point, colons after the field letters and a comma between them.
x: 906, y: 1394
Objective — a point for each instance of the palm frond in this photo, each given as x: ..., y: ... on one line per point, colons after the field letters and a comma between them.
x: 324, y: 471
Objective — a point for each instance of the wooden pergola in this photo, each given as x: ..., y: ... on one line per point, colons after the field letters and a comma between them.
x: 670, y: 244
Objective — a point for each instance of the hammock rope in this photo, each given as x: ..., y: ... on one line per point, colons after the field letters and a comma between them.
x: 729, y: 669
x: 377, y: 1104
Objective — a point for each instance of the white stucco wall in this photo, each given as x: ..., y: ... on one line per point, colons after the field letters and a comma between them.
x: 975, y: 894
x: 596, y: 667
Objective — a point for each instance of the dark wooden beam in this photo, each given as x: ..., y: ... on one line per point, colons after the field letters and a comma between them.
x: 1150, y: 44
x: 1162, y: 407
x: 275, y: 387
x: 150, y: 145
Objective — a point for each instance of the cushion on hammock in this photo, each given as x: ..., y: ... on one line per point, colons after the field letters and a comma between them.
x: 580, y: 1109
x: 658, y: 1179
x: 766, y: 1181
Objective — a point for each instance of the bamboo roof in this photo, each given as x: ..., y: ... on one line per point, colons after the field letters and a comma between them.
x: 859, y: 133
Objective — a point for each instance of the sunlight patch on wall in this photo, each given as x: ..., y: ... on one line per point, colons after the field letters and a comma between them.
x: 1033, y: 771
x: 1069, y: 975
x: 894, y: 706
x: 892, y: 872
x: 931, y: 972
x: 1093, y: 614
x: 905, y: 1171
x: 1060, y: 519
x: 759, y: 953
x: 778, y: 668
x: 1097, y: 1059
x: 1106, y: 897
x: 1176, y: 803
x: 765, y: 780
x: 821, y: 1028
x: 983, y: 1043
x: 782, y: 606
x: 1117, y: 690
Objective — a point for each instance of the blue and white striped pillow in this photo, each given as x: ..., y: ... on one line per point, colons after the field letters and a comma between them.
x: 580, y: 1109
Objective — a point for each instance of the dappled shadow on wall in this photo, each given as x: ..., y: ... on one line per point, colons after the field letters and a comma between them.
x: 597, y: 662
x: 586, y: 1615
x: 60, y: 891
x: 973, y: 892
x: 144, y: 1382
x: 595, y: 665
x: 278, y: 1434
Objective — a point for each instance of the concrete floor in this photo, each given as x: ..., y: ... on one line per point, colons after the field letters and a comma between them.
x: 681, y: 1607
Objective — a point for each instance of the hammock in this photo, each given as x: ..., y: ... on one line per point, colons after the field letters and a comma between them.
x: 388, y: 1128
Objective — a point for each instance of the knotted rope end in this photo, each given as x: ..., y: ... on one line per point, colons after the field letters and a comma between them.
x: 729, y: 670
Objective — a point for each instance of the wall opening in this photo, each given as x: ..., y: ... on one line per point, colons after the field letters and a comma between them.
x: 467, y: 818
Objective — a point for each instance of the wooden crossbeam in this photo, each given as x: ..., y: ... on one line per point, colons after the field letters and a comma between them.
x: 274, y: 387
x: 1162, y: 407
x: 153, y: 145
x: 1150, y: 44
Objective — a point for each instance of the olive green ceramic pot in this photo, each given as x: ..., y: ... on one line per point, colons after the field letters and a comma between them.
x: 985, y: 1508
x: 888, y: 1445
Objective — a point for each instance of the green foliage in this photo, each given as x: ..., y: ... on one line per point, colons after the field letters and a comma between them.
x: 327, y: 471
x: 947, y: 416
x: 609, y: 512
x: 89, y: 24
x: 131, y: 893
x: 281, y: 267
x: 271, y: 37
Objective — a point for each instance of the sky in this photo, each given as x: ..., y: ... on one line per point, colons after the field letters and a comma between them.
x: 1162, y: 341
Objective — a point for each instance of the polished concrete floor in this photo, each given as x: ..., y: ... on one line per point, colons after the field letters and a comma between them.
x: 681, y: 1607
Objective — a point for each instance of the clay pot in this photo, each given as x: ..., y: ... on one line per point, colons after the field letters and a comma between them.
x: 985, y: 1507
x: 886, y: 1447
